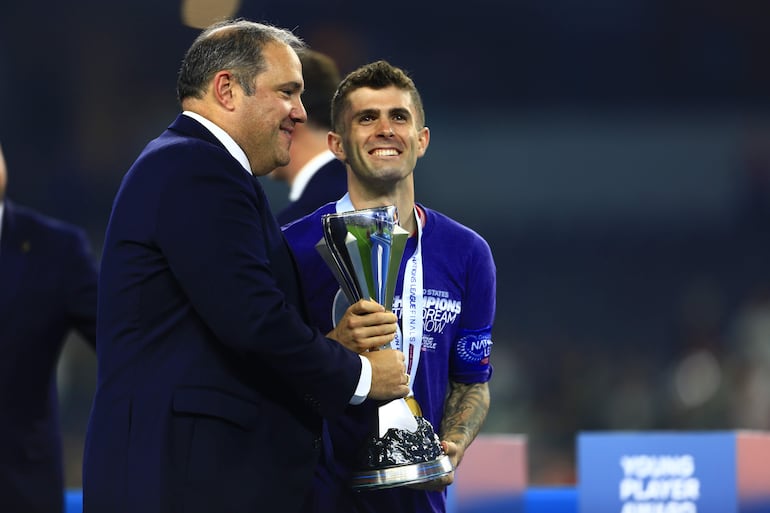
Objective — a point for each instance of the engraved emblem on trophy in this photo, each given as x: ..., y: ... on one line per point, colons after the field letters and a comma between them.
x: 363, y: 249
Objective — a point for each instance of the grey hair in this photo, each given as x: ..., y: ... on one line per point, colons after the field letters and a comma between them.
x: 234, y: 45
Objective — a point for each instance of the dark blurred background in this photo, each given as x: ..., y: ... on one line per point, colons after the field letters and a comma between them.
x: 615, y: 154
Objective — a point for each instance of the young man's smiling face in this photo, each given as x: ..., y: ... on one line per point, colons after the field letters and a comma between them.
x: 383, y: 137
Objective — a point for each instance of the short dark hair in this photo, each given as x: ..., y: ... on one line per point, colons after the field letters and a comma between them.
x: 321, y: 77
x: 235, y: 45
x: 376, y: 75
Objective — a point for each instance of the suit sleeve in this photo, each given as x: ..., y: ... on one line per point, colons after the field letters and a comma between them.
x: 213, y: 230
x: 81, y: 280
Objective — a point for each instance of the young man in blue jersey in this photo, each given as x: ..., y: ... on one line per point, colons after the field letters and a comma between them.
x: 446, y: 321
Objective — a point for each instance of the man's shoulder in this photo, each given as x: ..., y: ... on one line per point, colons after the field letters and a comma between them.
x: 177, y: 150
x: 307, y: 229
x: 30, y: 219
x: 444, y: 235
x: 175, y: 158
x: 327, y: 183
x: 334, y: 167
x: 447, y: 225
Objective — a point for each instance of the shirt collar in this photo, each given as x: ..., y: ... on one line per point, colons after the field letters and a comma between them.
x: 228, y: 142
x: 306, y: 173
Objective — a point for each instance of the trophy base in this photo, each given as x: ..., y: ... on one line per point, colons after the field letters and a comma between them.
x: 401, y: 475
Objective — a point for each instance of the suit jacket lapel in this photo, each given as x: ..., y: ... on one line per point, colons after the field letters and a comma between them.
x: 13, y: 252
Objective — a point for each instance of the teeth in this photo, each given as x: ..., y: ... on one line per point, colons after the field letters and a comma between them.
x: 385, y: 153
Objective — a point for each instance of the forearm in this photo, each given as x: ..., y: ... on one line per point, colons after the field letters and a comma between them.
x: 464, y: 413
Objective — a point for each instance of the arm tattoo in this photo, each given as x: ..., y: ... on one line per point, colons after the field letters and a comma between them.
x: 464, y: 412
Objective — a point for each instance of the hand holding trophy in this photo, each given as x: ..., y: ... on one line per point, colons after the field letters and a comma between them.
x: 363, y: 249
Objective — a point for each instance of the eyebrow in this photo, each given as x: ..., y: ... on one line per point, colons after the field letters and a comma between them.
x: 402, y: 111
x: 367, y: 112
x: 376, y: 112
x: 293, y: 85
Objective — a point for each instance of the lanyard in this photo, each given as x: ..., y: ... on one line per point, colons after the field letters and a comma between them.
x: 410, y: 343
x: 411, y: 309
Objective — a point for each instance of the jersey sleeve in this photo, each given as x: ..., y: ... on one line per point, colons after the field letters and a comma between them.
x: 471, y: 348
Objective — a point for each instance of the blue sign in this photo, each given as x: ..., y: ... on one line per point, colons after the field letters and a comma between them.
x: 657, y: 472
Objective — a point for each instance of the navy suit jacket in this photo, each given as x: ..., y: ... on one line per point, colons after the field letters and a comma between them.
x: 47, y: 288
x: 211, y: 386
x: 329, y: 183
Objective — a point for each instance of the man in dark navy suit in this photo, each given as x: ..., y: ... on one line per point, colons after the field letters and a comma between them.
x: 211, y: 387
x: 47, y: 289
x: 315, y: 176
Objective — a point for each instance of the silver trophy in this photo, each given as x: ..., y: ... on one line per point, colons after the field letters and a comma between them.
x: 363, y: 249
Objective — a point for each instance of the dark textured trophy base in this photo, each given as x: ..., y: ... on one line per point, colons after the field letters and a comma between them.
x: 402, y: 458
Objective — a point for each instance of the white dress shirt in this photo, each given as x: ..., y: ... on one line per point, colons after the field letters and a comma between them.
x: 307, y: 172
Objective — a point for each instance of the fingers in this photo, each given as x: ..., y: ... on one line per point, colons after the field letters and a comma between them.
x: 450, y: 448
x: 364, y: 306
x: 369, y: 330
x: 372, y: 337
x: 375, y: 325
x: 365, y: 326
x: 381, y: 321
x: 438, y: 484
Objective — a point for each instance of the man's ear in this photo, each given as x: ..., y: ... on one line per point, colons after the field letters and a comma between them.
x: 334, y: 141
x: 224, y: 88
x: 423, y: 139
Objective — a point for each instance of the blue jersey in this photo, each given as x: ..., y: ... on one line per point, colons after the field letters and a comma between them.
x: 458, y: 313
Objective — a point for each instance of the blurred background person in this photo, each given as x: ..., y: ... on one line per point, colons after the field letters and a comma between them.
x: 314, y: 175
x: 48, y: 279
